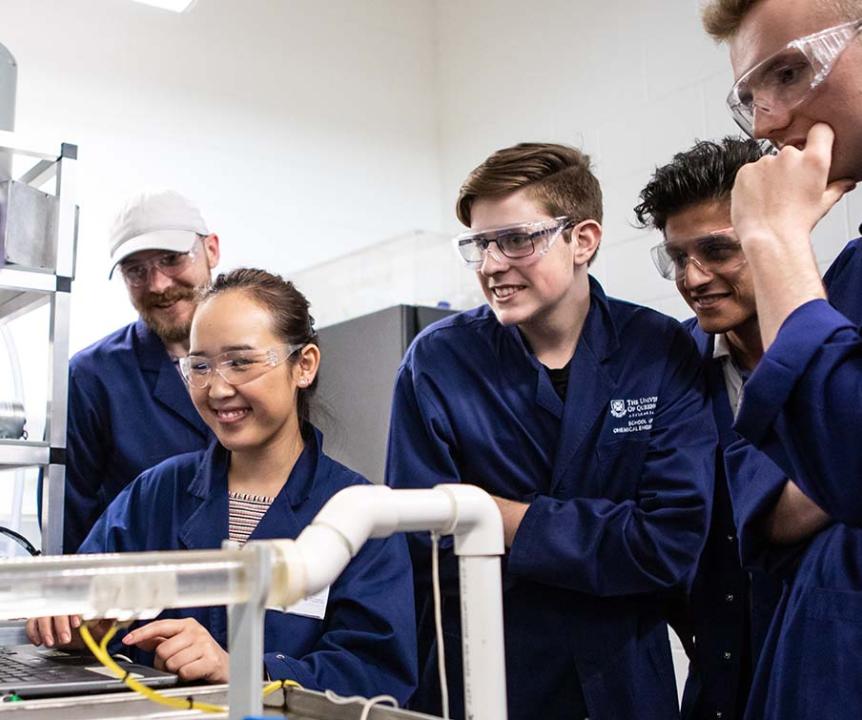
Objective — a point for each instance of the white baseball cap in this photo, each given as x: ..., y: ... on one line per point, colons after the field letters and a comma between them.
x: 155, y: 220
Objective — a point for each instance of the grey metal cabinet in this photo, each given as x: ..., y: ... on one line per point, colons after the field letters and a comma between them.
x: 359, y: 360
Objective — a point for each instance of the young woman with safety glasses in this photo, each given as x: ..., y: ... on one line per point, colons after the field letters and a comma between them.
x: 251, y: 371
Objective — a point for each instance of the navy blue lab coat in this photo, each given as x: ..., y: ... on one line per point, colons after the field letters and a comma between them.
x: 729, y: 610
x: 810, y: 663
x: 619, y: 478
x: 128, y: 410
x: 802, y: 404
x: 366, y: 643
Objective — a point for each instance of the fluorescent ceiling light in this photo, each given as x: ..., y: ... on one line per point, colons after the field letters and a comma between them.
x: 175, y: 5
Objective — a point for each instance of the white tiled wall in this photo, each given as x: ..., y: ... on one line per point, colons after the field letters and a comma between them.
x: 417, y: 268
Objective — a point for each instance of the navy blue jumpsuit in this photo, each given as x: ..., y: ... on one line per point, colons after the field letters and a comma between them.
x: 366, y: 642
x: 128, y: 410
x: 810, y: 664
x: 619, y: 478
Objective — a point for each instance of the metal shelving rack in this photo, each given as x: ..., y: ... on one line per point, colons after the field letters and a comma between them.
x: 22, y: 290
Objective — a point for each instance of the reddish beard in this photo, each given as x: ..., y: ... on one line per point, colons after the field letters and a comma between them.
x: 169, y: 332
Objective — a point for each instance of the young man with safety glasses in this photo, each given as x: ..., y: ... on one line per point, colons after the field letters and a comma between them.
x: 728, y: 611
x: 585, y: 418
x: 798, y: 84
x: 128, y: 407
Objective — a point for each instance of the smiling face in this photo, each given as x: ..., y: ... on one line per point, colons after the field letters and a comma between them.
x: 167, y: 304
x: 722, y: 302
x: 765, y: 30
x: 257, y: 414
x: 525, y: 291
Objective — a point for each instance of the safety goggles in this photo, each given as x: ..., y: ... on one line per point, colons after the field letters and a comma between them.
x: 718, y: 252
x: 783, y: 80
x: 514, y: 242
x: 235, y: 367
x: 136, y: 273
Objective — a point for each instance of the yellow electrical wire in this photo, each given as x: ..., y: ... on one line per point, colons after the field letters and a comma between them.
x: 102, y: 655
x: 270, y: 688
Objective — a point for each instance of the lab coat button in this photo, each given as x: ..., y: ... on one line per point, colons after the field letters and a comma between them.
x: 279, y: 657
x: 731, y: 538
x: 718, y: 715
x: 728, y: 597
x: 727, y: 655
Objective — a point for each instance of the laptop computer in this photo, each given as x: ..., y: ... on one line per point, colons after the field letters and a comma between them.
x: 33, y: 672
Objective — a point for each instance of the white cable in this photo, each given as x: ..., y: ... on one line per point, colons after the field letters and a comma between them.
x: 438, y: 623
x: 368, y: 703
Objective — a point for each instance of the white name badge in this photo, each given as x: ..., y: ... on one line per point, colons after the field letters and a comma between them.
x: 314, y: 606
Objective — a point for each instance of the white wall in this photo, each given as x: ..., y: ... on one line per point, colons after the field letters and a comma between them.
x: 303, y: 129
x: 418, y: 268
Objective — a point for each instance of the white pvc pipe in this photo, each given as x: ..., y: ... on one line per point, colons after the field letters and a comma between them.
x: 482, y: 637
x: 373, y: 511
x: 355, y: 514
x: 348, y: 519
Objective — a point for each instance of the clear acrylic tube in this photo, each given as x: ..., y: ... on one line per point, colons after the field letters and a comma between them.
x: 122, y: 586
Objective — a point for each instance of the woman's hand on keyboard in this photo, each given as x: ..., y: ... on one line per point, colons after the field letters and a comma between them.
x: 62, y: 630
x: 184, y: 647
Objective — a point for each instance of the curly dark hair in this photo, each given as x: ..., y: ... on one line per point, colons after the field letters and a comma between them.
x: 705, y: 172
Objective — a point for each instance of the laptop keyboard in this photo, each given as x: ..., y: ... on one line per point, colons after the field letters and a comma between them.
x: 40, y: 672
x: 30, y: 670
x: 15, y: 668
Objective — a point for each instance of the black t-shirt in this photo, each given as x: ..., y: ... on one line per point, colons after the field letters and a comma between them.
x: 560, y: 379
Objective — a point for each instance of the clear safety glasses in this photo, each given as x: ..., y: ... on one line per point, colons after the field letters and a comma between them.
x: 783, y: 80
x: 719, y: 252
x: 137, y: 273
x: 514, y: 242
x: 235, y: 367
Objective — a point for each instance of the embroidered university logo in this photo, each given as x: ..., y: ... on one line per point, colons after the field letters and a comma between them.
x: 618, y: 408
x: 638, y: 413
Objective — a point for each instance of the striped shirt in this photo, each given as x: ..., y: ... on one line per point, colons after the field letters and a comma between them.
x: 244, y: 513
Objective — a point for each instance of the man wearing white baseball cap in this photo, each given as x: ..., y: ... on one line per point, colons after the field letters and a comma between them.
x: 128, y: 407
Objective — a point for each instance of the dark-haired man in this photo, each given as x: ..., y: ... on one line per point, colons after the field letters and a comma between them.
x: 585, y: 417
x: 688, y: 200
x: 128, y: 407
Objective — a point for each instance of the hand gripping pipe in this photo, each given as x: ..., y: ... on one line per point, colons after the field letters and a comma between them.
x: 278, y: 573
